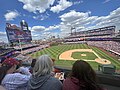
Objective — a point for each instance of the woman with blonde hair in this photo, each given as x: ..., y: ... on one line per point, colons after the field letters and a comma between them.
x: 42, y: 78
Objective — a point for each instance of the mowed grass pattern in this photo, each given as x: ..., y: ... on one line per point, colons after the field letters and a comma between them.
x: 55, y: 51
x: 88, y: 55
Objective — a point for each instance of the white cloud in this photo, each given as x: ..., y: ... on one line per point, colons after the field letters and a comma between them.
x: 62, y: 5
x: 112, y: 19
x: 75, y: 19
x: 37, y: 28
x: 3, y: 37
x: 78, y: 2
x: 106, y: 1
x: 49, y: 34
x: 83, y: 20
x: 36, y: 5
x: 11, y: 15
x: 2, y: 34
x: 46, y: 35
x: 42, y: 28
x: 41, y: 17
x: 43, y: 32
x: 73, y: 15
x: 42, y: 5
x: 52, y: 27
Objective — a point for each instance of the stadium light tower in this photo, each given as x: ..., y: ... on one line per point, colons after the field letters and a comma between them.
x: 19, y: 39
x: 84, y: 37
x: 84, y: 34
x: 72, y: 28
x: 75, y: 32
x: 24, y: 25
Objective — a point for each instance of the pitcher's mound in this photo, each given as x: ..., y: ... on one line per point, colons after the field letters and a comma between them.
x: 83, y: 54
x: 102, y: 61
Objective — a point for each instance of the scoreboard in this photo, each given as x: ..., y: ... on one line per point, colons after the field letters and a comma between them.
x: 16, y: 35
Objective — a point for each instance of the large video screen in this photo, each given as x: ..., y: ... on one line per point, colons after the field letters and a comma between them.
x: 15, y: 35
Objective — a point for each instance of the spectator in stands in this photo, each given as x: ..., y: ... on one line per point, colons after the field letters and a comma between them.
x: 2, y: 88
x: 55, y: 70
x: 41, y: 78
x: 32, y: 65
x: 14, y: 80
x: 2, y: 59
x: 20, y: 64
x: 82, y: 77
x: 8, y: 66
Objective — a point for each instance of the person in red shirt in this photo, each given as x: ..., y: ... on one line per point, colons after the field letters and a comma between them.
x: 8, y: 66
x: 82, y: 77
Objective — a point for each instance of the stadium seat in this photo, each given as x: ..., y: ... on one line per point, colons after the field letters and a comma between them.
x: 108, y: 69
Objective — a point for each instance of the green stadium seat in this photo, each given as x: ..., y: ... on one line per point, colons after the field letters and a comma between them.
x: 108, y: 69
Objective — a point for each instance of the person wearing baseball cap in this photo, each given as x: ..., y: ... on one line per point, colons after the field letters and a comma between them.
x: 8, y: 66
x: 12, y: 79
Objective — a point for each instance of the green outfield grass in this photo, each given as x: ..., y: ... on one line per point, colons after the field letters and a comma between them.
x: 55, y: 51
x: 89, y: 55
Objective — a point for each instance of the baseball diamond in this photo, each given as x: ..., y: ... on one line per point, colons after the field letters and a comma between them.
x: 66, y: 55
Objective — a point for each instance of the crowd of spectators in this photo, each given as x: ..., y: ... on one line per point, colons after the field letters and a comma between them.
x: 2, y: 43
x: 13, y: 76
x: 4, y: 50
x: 29, y: 48
x: 41, y: 76
x: 25, y: 46
x: 100, y: 37
x: 111, y: 46
x: 75, y: 39
x: 108, y: 45
x: 34, y: 49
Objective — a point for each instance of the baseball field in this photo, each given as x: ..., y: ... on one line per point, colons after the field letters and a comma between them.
x: 66, y: 55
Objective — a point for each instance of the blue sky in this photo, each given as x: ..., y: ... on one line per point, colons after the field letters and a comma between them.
x: 55, y: 17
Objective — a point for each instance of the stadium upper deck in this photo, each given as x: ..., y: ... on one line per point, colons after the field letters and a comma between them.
x: 104, y: 31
